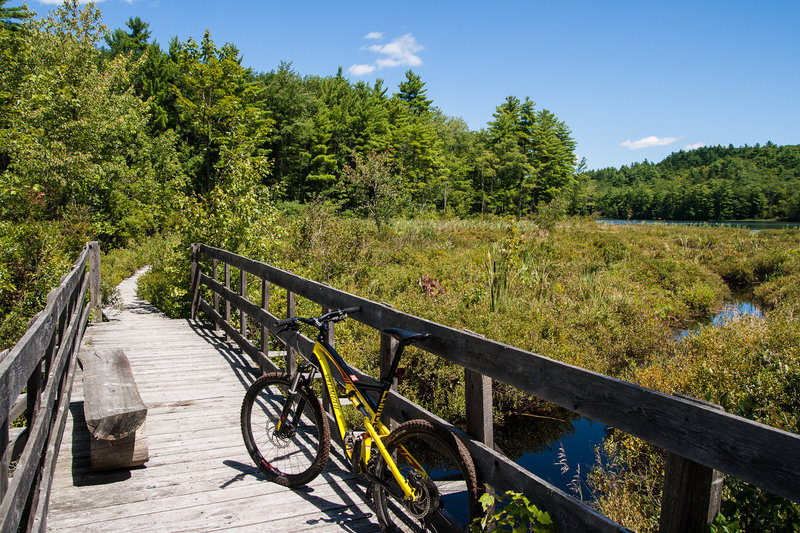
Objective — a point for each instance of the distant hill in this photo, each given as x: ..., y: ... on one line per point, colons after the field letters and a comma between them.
x: 710, y: 183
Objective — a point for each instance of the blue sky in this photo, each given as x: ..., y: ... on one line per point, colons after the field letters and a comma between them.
x: 633, y: 80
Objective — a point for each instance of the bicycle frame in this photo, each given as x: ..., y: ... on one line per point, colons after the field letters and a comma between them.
x: 356, y: 391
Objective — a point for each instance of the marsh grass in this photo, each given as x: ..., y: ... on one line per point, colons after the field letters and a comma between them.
x: 606, y: 298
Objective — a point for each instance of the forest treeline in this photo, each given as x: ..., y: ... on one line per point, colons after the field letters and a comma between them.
x: 106, y: 135
x: 709, y: 183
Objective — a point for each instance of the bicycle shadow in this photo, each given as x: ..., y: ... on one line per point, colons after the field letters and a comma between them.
x: 346, y: 510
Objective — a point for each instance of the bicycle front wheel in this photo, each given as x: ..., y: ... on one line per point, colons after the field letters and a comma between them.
x: 295, y: 453
x: 439, y: 468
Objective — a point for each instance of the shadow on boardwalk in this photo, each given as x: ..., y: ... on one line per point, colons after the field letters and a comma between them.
x: 199, y: 476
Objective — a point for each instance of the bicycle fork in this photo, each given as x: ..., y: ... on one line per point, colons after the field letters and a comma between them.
x: 282, y: 428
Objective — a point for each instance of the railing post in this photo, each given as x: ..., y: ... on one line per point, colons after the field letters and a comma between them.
x: 692, y: 492
x: 243, y: 294
x: 216, y: 296
x: 227, y: 302
x: 291, y: 358
x: 94, y: 281
x: 478, y: 398
x: 4, y: 443
x: 388, y: 349
x: 195, y: 281
x: 265, y: 307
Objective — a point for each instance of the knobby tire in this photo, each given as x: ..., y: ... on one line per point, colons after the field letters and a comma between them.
x: 290, y: 459
x: 450, y: 499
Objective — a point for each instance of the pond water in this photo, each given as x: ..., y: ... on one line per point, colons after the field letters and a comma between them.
x: 752, y: 225
x: 730, y: 311
x: 537, y: 444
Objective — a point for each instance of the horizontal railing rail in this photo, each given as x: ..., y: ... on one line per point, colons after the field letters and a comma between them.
x: 696, y: 434
x: 36, y: 380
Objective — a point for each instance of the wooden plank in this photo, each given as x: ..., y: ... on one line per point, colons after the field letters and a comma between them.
x: 234, y: 335
x: 722, y: 441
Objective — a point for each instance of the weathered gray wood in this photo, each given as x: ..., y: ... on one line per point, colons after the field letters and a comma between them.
x: 5, y: 444
x: 95, y: 294
x: 227, y: 315
x: 194, y: 280
x: 25, y: 477
x: 17, y: 366
x: 216, y: 296
x: 255, y: 354
x: 112, y: 405
x: 200, y: 476
x: 243, y: 294
x: 691, y: 498
x: 291, y: 359
x: 387, y: 350
x: 126, y: 452
x: 40, y: 507
x: 480, y: 422
x: 692, y: 493
x: 265, y: 306
x: 728, y: 443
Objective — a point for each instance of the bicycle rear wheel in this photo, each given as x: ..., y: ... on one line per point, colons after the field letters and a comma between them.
x: 446, y: 485
x: 297, y: 453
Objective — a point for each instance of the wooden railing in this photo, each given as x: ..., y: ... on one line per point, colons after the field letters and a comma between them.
x: 36, y: 380
x: 701, y: 440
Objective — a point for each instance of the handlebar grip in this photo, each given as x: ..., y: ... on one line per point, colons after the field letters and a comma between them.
x: 349, y: 310
x: 285, y: 321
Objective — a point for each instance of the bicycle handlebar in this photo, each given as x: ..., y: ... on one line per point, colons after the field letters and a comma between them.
x: 316, y: 321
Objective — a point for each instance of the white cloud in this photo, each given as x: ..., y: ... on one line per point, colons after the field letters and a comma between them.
x: 648, y: 142
x: 401, y: 51
x: 695, y: 146
x: 59, y: 2
x: 361, y: 70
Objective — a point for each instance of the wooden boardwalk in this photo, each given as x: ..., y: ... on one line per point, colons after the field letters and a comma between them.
x: 199, y: 477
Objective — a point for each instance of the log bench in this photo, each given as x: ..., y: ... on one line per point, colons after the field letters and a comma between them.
x: 114, y: 411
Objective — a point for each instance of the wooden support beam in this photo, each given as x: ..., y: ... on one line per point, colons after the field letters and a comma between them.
x: 291, y: 357
x: 227, y: 316
x: 265, y: 307
x: 478, y: 398
x: 94, y: 281
x: 388, y: 348
x: 692, y: 492
x: 243, y: 294
x: 216, y: 296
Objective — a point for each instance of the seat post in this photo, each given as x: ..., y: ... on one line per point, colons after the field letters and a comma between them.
x: 392, y: 370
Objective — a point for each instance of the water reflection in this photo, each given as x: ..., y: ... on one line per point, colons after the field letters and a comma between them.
x: 536, y: 444
x: 730, y: 311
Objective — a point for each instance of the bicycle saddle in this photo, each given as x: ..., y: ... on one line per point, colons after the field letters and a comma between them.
x: 406, y: 337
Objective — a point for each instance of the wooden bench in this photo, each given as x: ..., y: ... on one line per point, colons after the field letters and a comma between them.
x: 114, y: 411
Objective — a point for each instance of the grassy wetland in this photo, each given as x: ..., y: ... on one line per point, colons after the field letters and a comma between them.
x: 607, y: 298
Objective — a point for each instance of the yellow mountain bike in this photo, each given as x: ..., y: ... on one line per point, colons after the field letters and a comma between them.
x: 421, y: 477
